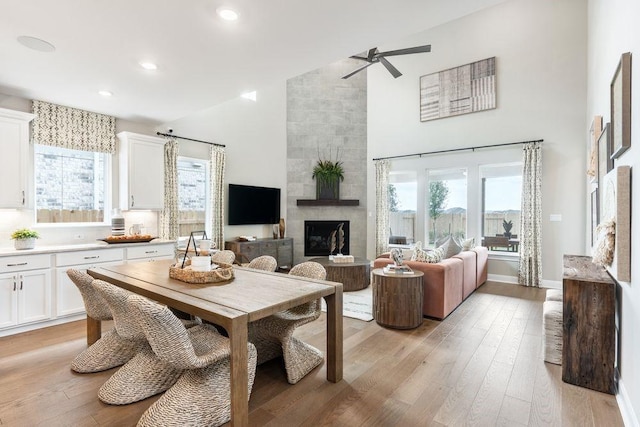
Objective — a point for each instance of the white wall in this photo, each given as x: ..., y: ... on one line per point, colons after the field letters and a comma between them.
x: 256, y: 144
x: 613, y: 30
x: 540, y: 50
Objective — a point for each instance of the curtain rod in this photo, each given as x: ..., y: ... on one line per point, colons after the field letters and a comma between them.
x: 170, y: 135
x: 458, y: 149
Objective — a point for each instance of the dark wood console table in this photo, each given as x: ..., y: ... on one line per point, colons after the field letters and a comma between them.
x: 589, y: 329
x: 280, y: 249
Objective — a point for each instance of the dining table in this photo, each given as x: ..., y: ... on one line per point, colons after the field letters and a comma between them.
x: 250, y: 295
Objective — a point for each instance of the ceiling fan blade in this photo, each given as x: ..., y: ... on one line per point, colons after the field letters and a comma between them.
x: 407, y: 51
x: 359, y: 57
x: 372, y: 53
x: 393, y: 70
x: 357, y: 70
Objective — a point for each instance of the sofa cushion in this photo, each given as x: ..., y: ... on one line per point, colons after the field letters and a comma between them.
x: 469, y: 278
x: 453, y: 248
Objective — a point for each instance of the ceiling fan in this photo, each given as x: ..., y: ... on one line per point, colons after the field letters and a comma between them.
x: 373, y: 57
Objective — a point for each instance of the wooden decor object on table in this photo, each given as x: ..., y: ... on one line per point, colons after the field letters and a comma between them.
x: 397, y: 299
x: 223, y: 273
x: 589, y: 329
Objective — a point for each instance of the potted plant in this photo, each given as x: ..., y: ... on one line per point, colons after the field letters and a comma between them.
x: 328, y: 174
x: 25, y: 238
x: 507, y: 225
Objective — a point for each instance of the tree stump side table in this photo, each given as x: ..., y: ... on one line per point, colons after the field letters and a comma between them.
x: 353, y: 275
x: 397, y: 299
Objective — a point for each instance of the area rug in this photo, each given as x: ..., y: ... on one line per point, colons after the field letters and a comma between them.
x: 356, y: 304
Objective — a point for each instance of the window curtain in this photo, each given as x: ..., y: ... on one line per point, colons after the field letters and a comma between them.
x: 71, y: 128
x: 530, y: 265
x: 169, y: 227
x: 382, y: 206
x: 217, y: 158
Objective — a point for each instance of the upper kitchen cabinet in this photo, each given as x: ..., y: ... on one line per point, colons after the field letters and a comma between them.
x: 14, y: 140
x: 141, y: 171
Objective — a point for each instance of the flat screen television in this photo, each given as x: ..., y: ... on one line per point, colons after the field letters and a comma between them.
x: 253, y: 205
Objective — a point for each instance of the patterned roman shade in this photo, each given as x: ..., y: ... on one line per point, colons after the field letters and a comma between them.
x: 71, y: 128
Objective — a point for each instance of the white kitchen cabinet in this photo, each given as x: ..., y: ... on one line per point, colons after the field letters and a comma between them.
x: 151, y: 252
x: 14, y: 140
x: 25, y: 288
x: 68, y: 298
x: 141, y: 171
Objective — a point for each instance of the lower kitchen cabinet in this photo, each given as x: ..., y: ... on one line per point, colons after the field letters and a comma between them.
x: 25, y: 290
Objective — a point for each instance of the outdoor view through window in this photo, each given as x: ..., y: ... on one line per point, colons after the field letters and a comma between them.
x: 496, y: 214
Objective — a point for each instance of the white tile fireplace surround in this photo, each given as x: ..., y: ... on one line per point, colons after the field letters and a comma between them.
x: 317, y: 237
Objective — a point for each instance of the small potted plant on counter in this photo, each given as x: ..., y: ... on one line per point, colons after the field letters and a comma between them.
x: 25, y: 238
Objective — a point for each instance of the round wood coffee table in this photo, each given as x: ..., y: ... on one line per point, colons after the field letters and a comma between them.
x: 353, y: 275
x: 397, y: 299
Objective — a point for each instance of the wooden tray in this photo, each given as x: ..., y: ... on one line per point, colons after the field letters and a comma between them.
x: 223, y: 273
x: 130, y: 240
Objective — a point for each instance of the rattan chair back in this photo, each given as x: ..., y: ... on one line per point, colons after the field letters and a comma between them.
x: 171, y: 341
x: 264, y: 262
x: 94, y: 304
x: 116, y: 299
x: 225, y: 256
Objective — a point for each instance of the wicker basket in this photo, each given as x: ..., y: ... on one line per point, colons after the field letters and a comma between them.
x: 223, y: 273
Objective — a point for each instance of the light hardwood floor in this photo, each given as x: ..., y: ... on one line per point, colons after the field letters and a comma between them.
x: 481, y: 366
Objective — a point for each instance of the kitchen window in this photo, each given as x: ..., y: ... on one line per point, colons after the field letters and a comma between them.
x: 71, y: 186
x: 193, y: 195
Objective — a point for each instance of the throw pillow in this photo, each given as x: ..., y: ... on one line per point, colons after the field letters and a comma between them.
x: 468, y: 244
x: 428, y: 255
x: 451, y: 246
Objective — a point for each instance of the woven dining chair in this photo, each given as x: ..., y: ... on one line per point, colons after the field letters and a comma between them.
x: 111, y: 349
x: 264, y: 262
x: 145, y: 374
x: 201, y: 397
x: 273, y: 335
x: 225, y: 256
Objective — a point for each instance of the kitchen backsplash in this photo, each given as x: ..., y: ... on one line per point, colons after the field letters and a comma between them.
x: 13, y: 219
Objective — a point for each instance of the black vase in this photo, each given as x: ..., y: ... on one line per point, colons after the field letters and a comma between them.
x: 327, y: 191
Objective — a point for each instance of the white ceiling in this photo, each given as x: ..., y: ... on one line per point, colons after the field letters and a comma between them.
x: 202, y: 60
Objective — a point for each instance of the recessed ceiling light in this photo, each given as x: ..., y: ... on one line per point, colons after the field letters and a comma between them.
x: 105, y: 93
x: 250, y: 95
x: 149, y: 66
x: 227, y: 14
x: 36, y: 44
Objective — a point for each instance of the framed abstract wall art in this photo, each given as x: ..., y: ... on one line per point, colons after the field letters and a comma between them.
x: 621, y: 107
x: 460, y: 90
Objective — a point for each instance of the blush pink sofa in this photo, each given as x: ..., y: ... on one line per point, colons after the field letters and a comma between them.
x: 448, y: 282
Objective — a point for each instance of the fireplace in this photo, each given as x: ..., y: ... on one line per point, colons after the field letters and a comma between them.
x: 317, y: 237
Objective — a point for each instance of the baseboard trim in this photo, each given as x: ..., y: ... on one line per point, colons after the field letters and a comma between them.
x: 629, y: 417
x: 552, y: 284
x: 502, y: 278
x: 39, y: 325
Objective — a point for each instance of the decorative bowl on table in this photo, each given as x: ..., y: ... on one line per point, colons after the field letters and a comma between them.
x: 132, y: 238
x: 220, y: 272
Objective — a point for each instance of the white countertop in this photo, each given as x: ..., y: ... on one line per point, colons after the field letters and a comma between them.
x: 41, y: 249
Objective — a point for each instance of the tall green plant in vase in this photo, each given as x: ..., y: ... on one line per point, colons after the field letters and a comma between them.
x: 328, y: 174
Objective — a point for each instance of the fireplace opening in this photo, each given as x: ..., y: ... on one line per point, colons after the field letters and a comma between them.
x: 317, y: 237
